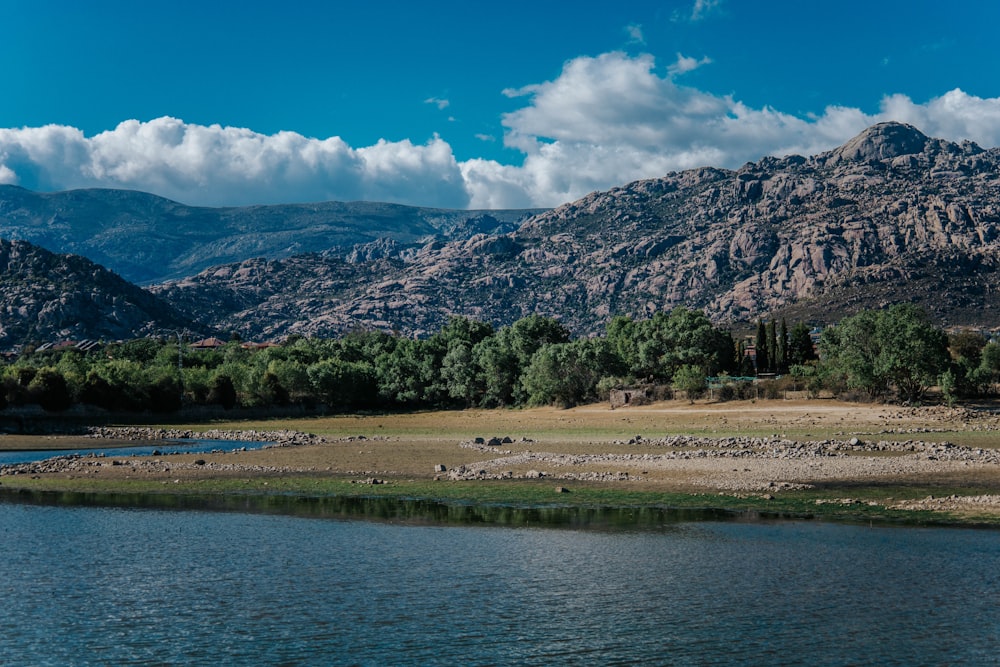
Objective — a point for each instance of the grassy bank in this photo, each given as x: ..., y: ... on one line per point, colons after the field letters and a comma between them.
x: 295, y: 494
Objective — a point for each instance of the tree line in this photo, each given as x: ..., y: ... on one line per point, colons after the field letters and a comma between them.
x: 534, y: 361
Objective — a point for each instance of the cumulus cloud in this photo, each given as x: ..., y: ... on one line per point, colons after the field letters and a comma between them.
x: 604, y: 121
x: 610, y: 119
x: 214, y: 165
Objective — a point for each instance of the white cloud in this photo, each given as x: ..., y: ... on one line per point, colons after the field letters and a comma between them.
x: 604, y: 121
x: 635, y: 34
x: 703, y: 8
x: 685, y: 64
x: 439, y: 102
x: 955, y: 115
x: 214, y: 165
x: 611, y: 119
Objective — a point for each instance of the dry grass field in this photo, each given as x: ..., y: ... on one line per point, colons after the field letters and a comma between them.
x: 820, y: 451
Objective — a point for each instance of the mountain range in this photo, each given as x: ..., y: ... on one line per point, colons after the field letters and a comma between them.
x: 891, y: 216
x: 148, y: 239
x: 46, y: 296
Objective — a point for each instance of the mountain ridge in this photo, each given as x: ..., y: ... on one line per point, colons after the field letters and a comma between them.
x: 149, y: 239
x: 890, y: 216
x: 888, y: 207
x: 46, y: 297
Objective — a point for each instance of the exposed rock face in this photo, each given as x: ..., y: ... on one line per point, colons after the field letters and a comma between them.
x: 890, y: 216
x: 271, y: 299
x: 149, y: 239
x: 884, y: 141
x: 45, y: 297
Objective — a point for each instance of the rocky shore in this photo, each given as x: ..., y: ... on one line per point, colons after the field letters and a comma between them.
x: 282, y: 438
x: 85, y: 465
x: 735, y: 463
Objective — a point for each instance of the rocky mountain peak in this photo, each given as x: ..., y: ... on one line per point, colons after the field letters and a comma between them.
x: 882, y: 141
x: 46, y: 296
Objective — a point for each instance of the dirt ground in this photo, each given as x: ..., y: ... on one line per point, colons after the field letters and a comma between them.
x: 764, y: 447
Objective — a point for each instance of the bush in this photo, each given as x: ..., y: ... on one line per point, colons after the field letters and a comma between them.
x: 49, y: 389
x: 726, y: 392
x: 222, y: 392
x: 691, y: 380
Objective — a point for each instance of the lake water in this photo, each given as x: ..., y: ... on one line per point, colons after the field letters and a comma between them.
x: 148, y: 448
x: 114, y: 586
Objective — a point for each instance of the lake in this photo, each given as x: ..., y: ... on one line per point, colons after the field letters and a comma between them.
x: 147, y: 448
x: 100, y: 585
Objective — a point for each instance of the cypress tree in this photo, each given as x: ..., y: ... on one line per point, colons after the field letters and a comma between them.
x: 800, y: 347
x: 782, y: 349
x: 772, y: 347
x: 761, y: 347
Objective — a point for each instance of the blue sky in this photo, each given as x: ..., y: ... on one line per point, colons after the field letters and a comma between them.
x: 463, y: 104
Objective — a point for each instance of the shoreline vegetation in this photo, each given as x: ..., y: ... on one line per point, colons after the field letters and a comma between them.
x: 586, y: 466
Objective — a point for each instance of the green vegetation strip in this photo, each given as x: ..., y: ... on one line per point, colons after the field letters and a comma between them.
x: 500, y: 503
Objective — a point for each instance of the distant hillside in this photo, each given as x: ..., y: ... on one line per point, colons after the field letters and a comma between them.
x: 891, y: 216
x: 147, y: 239
x: 46, y: 297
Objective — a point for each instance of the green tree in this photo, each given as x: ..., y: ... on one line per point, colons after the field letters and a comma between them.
x: 655, y: 348
x: 504, y: 356
x: 399, y: 374
x: 292, y: 376
x: 967, y: 376
x: 163, y: 392
x: 947, y: 383
x: 781, y: 360
x: 760, y: 348
x: 463, y: 380
x: 73, y: 366
x: 897, y: 348
x: 800, y: 345
x: 990, y: 363
x: 343, y: 385
x: 448, y: 365
x: 772, y: 347
x: 622, y: 335
x: 48, y: 389
x: 499, y: 370
x: 222, y: 392
x: 567, y: 374
x: 140, y: 350
x: 197, y: 382
x: 851, y: 349
x: 914, y: 351
x: 746, y: 366
x: 691, y: 380
x: 98, y: 391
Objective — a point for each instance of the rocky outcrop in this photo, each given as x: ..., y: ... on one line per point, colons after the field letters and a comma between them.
x: 891, y: 216
x: 282, y: 438
x: 45, y: 297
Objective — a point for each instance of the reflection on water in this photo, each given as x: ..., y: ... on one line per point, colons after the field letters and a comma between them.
x: 106, y: 585
x: 374, y: 508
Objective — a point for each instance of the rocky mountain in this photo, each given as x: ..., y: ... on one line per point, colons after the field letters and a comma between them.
x: 45, y: 297
x: 149, y: 239
x: 890, y: 216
